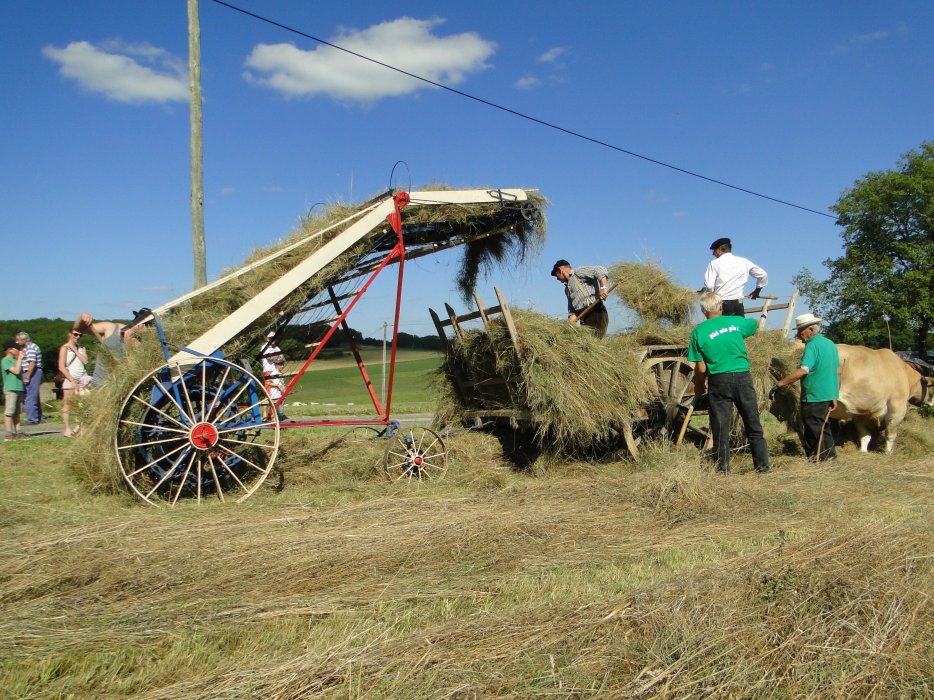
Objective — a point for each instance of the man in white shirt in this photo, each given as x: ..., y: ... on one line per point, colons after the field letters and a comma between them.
x: 727, y: 275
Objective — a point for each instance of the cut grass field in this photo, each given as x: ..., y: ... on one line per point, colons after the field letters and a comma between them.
x: 657, y: 579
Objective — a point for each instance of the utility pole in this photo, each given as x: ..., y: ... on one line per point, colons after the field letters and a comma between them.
x: 197, y: 149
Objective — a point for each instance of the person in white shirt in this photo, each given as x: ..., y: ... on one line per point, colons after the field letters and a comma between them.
x: 727, y: 275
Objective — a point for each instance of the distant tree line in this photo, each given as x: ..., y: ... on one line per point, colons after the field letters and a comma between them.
x: 51, y: 333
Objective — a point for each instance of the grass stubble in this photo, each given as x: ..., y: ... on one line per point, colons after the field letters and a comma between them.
x: 655, y: 579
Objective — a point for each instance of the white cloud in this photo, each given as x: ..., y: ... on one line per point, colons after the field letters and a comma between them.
x: 858, y: 40
x: 405, y: 43
x: 552, y: 55
x: 527, y: 83
x: 679, y: 214
x: 227, y: 190
x: 656, y: 197
x: 133, y: 73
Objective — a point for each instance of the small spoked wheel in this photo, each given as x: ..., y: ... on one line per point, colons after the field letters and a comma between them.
x: 199, y: 428
x: 416, y: 453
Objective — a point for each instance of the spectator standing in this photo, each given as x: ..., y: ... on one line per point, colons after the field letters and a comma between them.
x: 717, y: 347
x: 820, y: 387
x: 276, y: 386
x: 13, y: 389
x: 72, y: 359
x: 273, y: 362
x: 32, y: 378
x: 727, y: 275
x: 584, y: 286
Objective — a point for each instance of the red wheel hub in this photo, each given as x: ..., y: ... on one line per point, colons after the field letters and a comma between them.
x: 418, y: 461
x: 204, y: 436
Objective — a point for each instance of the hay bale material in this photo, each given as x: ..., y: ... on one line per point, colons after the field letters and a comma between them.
x: 511, y: 235
x: 579, y: 390
x: 649, y: 291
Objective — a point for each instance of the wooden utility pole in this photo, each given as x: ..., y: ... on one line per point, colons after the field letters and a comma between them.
x: 197, y: 150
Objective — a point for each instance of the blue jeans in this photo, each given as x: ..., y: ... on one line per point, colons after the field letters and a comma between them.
x: 32, y: 402
x: 724, y: 391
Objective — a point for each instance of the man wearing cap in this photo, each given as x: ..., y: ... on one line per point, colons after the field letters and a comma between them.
x: 727, y: 275
x: 820, y: 387
x: 13, y: 389
x: 718, y: 350
x: 584, y: 286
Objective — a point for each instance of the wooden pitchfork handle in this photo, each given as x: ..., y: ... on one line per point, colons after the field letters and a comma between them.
x: 593, y: 306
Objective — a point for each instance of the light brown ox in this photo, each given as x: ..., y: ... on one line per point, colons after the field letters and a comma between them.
x: 876, y: 387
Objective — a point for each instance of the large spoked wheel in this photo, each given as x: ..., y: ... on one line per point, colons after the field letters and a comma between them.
x: 199, y: 428
x: 416, y: 453
x: 674, y: 377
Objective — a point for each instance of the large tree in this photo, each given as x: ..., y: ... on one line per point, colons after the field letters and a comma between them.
x: 887, y: 269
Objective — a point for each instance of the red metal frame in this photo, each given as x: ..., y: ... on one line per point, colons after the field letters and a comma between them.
x: 397, y: 253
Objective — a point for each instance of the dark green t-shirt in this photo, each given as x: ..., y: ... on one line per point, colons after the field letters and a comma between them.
x: 718, y: 341
x: 822, y: 382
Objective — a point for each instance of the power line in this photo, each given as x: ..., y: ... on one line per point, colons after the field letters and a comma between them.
x: 522, y: 115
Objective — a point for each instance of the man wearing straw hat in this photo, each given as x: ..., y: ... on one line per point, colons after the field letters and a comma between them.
x: 586, y: 290
x: 727, y: 275
x: 820, y: 387
x: 717, y: 347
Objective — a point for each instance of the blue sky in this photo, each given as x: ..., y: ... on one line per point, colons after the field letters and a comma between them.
x: 795, y: 100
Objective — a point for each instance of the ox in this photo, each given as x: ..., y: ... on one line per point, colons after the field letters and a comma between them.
x: 876, y: 387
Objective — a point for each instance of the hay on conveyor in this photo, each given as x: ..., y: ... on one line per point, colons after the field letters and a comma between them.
x: 649, y: 291
x: 578, y: 389
x: 509, y: 234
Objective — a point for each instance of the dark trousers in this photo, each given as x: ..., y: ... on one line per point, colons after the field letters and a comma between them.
x: 724, y: 391
x: 598, y: 318
x: 32, y: 402
x: 733, y: 307
x: 814, y: 414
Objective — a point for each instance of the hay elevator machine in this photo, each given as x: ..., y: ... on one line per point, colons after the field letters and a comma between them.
x: 204, y: 425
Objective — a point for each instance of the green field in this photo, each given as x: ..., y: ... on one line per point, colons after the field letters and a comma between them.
x: 331, y: 385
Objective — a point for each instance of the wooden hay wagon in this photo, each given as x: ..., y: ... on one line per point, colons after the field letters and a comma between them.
x: 662, y: 383
x: 489, y: 399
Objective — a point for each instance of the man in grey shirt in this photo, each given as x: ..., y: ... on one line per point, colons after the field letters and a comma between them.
x: 584, y: 286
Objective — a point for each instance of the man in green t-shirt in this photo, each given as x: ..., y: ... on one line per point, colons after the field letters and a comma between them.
x: 820, y: 387
x: 719, y: 351
x: 13, y: 388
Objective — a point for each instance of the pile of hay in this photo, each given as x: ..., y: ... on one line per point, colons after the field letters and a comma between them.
x: 771, y: 357
x: 510, y: 232
x: 579, y: 390
x: 649, y: 291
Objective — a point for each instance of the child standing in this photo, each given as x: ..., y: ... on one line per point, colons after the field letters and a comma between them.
x: 275, y: 385
x: 13, y: 389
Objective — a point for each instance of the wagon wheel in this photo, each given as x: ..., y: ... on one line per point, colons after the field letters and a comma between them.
x: 199, y: 428
x: 416, y: 453
x: 675, y: 380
